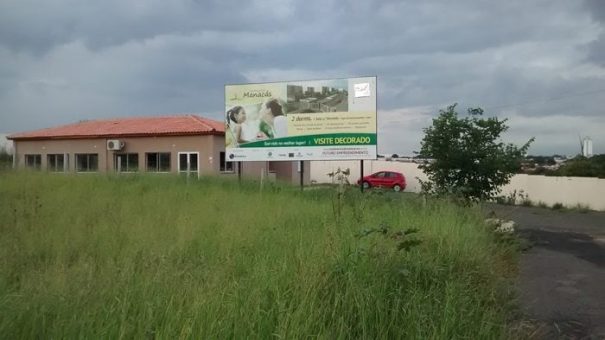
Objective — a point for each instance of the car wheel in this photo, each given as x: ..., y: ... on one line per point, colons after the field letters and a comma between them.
x: 366, y: 185
x: 397, y: 188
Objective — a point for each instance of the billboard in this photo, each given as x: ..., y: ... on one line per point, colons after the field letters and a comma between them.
x: 301, y: 120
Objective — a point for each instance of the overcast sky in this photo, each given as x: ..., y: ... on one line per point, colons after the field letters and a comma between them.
x: 540, y: 63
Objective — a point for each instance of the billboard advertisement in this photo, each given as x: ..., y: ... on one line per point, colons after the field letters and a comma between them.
x: 301, y: 120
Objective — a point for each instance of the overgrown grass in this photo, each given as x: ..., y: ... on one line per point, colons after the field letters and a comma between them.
x: 160, y: 257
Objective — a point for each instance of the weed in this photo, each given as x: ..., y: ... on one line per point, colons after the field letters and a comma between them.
x: 558, y: 206
x: 341, y: 178
x: 157, y: 257
x: 515, y: 197
x: 543, y: 205
x: 583, y: 208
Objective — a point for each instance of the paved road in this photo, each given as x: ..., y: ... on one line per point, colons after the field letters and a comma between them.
x: 562, y: 275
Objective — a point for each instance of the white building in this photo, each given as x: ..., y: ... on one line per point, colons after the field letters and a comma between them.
x: 587, y: 147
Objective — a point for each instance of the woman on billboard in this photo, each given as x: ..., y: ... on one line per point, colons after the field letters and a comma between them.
x: 273, y: 122
x: 236, y: 116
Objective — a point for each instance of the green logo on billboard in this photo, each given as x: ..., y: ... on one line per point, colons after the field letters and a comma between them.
x: 257, y: 94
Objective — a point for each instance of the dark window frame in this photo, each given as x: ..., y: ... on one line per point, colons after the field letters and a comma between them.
x: 33, y: 161
x: 131, y: 165
x: 228, y: 167
x: 52, y: 160
x: 271, y: 167
x: 193, y: 166
x: 91, y: 162
x: 157, y: 167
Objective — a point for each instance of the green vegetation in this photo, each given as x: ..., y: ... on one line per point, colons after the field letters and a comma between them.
x: 468, y: 158
x: 521, y: 198
x: 543, y: 205
x: 583, y: 208
x: 515, y: 197
x: 159, y: 257
x: 6, y: 159
x: 558, y: 206
x: 578, y: 166
x: 582, y: 167
x: 541, y: 160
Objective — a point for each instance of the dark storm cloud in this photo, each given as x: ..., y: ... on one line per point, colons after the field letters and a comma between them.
x: 596, y: 9
x: 538, y: 62
x: 37, y: 26
x: 596, y: 50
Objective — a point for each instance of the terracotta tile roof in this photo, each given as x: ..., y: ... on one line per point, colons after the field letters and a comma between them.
x: 176, y: 125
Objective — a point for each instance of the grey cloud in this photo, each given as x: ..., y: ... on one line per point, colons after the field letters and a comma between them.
x: 596, y: 49
x: 66, y: 60
x: 28, y: 25
x: 387, y: 28
x: 126, y: 81
x: 596, y: 9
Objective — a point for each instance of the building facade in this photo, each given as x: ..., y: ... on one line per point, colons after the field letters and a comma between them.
x: 185, y: 144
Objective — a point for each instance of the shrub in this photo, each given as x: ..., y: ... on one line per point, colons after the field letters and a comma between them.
x: 468, y: 158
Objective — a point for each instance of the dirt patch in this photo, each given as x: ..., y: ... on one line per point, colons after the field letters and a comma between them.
x: 561, y: 282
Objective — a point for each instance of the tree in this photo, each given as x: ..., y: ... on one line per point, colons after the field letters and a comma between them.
x: 467, y: 157
x: 6, y: 159
x: 583, y: 167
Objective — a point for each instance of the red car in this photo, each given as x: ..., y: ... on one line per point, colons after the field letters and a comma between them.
x: 388, y: 179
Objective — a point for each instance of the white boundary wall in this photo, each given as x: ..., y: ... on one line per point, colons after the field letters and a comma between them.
x: 570, y: 191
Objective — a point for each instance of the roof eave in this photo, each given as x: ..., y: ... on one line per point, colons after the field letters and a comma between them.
x: 130, y: 135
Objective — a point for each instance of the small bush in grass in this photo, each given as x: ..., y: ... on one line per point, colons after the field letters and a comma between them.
x: 515, y: 197
x: 558, y: 206
x: 526, y: 202
x: 583, y: 208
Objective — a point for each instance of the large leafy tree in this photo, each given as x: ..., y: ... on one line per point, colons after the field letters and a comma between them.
x: 466, y: 156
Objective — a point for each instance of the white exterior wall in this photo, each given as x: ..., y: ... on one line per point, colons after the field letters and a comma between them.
x: 570, y: 191
x: 548, y: 189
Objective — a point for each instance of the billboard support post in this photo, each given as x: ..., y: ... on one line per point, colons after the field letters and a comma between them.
x: 361, y: 176
x: 239, y: 172
x: 302, y: 174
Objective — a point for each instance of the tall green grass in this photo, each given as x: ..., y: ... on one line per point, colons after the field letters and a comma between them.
x: 162, y: 257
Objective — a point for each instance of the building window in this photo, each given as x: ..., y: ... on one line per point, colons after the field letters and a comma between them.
x: 225, y: 166
x: 126, y: 162
x: 188, y: 162
x: 87, y: 162
x: 272, y: 166
x: 33, y: 161
x: 56, y: 162
x: 158, y: 161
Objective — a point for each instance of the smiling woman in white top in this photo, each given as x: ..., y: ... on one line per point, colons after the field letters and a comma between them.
x: 273, y: 123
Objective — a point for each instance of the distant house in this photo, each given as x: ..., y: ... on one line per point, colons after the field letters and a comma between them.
x: 186, y: 144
